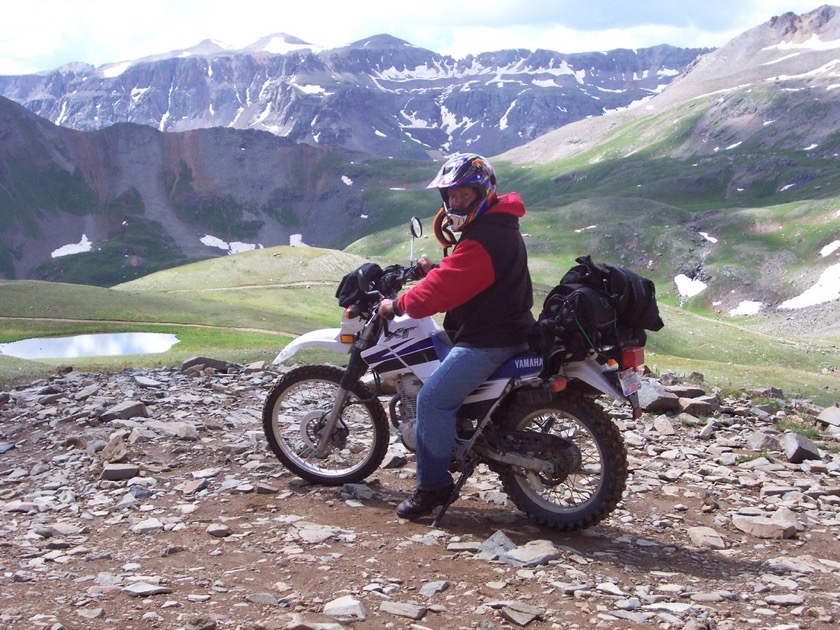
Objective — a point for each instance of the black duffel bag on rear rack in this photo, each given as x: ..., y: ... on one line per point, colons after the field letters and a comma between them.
x: 596, y: 308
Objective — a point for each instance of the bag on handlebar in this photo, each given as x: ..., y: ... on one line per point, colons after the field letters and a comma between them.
x: 349, y: 292
x: 595, y: 306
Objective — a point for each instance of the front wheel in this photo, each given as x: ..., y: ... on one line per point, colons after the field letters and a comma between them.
x: 295, y: 413
x: 590, y: 463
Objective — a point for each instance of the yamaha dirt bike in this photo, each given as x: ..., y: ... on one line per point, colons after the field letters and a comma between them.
x: 560, y: 458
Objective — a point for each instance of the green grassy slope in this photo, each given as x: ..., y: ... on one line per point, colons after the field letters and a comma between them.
x: 243, y: 317
x: 664, y: 194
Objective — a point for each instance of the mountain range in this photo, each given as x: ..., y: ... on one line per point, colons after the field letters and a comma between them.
x: 737, y: 134
x: 380, y: 95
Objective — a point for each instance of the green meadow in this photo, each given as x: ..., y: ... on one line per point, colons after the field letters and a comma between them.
x: 749, y: 220
x: 244, y: 308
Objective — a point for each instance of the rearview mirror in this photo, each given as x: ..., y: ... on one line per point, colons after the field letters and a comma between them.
x: 416, y: 227
x: 416, y: 232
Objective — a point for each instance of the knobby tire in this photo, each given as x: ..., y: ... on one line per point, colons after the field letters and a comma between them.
x: 354, y: 454
x: 588, y: 494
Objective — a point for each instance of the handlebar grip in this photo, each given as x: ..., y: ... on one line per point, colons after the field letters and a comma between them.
x: 396, y: 276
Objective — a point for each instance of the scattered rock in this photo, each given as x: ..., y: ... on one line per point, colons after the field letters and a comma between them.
x: 218, y: 530
x: 830, y: 415
x: 764, y: 527
x: 124, y: 410
x: 402, y: 609
x: 654, y: 398
x: 532, y: 554
x: 761, y: 441
x: 180, y: 503
x: 664, y: 426
x: 798, y: 448
x: 346, y: 607
x: 119, y: 472
x: 521, y: 613
x: 433, y: 588
x: 144, y: 589
x: 706, y: 538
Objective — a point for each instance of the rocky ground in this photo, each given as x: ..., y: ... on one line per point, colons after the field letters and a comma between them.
x: 148, y: 499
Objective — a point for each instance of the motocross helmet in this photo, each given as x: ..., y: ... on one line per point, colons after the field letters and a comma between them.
x: 465, y: 169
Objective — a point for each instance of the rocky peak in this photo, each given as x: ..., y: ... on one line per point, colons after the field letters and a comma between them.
x: 798, y: 28
x: 276, y: 43
x: 381, y: 41
x: 416, y: 103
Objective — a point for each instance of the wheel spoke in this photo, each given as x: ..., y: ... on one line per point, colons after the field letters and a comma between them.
x: 295, y: 417
x: 588, y: 480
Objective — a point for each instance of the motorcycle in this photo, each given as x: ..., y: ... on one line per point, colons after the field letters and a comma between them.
x: 560, y: 458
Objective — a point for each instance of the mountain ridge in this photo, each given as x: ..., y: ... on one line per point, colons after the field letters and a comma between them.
x: 785, y: 54
x: 379, y: 95
x: 140, y: 194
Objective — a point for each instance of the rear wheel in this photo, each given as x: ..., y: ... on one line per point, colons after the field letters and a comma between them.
x: 295, y: 413
x: 589, y: 457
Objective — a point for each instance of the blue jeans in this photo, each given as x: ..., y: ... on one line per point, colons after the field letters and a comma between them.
x: 438, y: 402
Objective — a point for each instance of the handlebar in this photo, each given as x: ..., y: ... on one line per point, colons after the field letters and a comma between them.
x: 389, y: 284
x: 394, y: 278
x: 371, y: 290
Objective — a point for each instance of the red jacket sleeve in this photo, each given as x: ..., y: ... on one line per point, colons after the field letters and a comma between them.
x: 461, y: 276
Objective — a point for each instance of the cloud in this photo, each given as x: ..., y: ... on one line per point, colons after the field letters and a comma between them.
x: 43, y: 34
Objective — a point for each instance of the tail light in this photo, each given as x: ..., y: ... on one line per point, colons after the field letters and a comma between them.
x: 632, y: 356
x: 558, y: 384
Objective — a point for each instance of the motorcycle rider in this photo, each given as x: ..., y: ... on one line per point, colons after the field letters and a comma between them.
x: 484, y: 287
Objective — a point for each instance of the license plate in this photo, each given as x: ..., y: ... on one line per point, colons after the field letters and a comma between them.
x: 630, y: 381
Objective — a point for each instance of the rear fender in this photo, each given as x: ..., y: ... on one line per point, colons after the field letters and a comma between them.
x: 589, y: 371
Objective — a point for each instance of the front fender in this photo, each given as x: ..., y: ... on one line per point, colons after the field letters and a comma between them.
x: 324, y: 338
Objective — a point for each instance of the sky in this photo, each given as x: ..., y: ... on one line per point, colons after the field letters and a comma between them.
x: 37, y: 35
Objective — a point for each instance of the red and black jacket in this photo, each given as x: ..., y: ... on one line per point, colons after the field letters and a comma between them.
x: 483, y: 286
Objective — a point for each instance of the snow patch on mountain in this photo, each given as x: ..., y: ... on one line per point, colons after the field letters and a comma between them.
x: 689, y: 287
x: 234, y: 247
x: 815, y: 42
x: 84, y: 245
x: 827, y: 289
